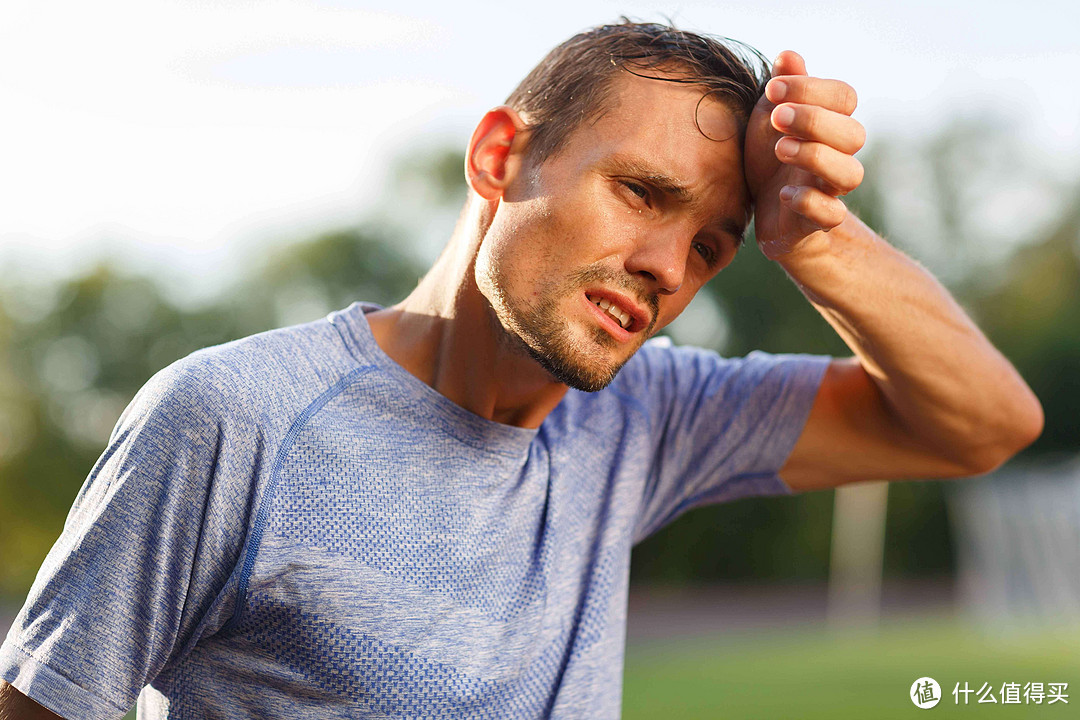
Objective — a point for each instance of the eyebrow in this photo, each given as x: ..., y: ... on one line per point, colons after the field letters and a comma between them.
x: 673, y: 188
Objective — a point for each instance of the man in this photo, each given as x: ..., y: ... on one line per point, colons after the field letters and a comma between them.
x: 428, y: 509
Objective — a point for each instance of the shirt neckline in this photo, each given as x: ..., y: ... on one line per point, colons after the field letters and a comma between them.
x: 472, y: 429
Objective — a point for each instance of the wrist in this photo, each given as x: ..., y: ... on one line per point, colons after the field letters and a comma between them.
x: 821, y: 263
x: 808, y: 250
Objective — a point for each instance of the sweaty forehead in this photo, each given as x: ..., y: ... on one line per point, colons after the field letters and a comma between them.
x: 676, y: 130
x: 668, y: 99
x: 714, y: 118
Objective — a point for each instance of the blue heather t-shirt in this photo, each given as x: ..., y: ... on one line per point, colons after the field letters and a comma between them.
x: 292, y: 525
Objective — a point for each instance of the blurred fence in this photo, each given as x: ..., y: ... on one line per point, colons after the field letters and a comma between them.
x: 1017, y: 536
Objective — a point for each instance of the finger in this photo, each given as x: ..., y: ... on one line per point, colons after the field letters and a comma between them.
x: 827, y: 188
x: 838, y: 169
x: 821, y: 210
x: 814, y: 123
x: 835, y: 95
x: 789, y: 62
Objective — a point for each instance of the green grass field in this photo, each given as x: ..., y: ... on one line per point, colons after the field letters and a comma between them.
x: 812, y: 674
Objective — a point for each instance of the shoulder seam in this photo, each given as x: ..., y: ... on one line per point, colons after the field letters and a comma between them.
x: 348, y: 341
x: 251, y: 548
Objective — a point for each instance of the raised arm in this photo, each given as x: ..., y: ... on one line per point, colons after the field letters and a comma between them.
x: 926, y: 394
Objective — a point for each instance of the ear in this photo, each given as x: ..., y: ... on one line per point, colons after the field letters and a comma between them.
x: 496, y: 152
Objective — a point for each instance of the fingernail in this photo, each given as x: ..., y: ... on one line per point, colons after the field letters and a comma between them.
x: 788, y: 147
x: 787, y: 192
x: 784, y: 115
x: 777, y: 90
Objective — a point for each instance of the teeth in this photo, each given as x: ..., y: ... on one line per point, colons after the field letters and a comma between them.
x: 612, y: 310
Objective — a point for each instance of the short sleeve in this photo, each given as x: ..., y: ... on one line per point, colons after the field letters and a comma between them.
x: 146, y: 553
x: 723, y: 426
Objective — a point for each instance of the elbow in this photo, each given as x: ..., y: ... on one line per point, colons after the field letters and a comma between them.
x: 1016, y: 429
x: 1034, y: 422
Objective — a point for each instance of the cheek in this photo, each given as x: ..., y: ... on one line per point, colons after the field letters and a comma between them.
x: 532, y: 244
x: 515, y: 249
x: 671, y: 307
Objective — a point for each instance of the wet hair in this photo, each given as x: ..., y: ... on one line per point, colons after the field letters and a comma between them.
x: 574, y: 83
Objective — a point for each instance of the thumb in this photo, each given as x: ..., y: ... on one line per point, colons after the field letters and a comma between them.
x: 789, y: 62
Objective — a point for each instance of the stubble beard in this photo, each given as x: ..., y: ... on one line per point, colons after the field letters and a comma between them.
x: 539, y: 330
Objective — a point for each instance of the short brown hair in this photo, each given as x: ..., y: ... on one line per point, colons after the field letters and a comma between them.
x: 573, y: 83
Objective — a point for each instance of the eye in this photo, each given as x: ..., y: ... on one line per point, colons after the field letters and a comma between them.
x: 637, y: 189
x: 706, y: 252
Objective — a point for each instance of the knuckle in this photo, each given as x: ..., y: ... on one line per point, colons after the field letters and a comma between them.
x: 849, y: 99
x: 849, y: 178
x: 811, y: 121
x: 798, y: 89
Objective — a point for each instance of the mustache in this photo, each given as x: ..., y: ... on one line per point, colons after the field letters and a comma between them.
x: 604, y: 275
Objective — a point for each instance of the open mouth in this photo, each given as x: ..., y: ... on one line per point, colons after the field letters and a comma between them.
x: 618, y: 314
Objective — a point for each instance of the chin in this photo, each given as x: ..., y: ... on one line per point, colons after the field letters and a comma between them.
x: 585, y: 366
x: 592, y: 379
x: 582, y: 364
x: 586, y: 359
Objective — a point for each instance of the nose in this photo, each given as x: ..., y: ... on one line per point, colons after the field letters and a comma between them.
x: 660, y: 258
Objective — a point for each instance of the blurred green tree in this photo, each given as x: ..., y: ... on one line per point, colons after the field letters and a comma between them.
x: 71, y: 369
x: 1033, y: 316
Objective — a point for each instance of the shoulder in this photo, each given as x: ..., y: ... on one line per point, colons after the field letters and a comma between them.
x: 266, y: 374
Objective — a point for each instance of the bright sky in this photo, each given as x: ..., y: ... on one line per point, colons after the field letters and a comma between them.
x: 179, y: 130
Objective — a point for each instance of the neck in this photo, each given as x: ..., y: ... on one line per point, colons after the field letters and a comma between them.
x: 446, y: 334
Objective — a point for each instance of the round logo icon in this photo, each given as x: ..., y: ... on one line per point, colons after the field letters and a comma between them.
x: 925, y: 693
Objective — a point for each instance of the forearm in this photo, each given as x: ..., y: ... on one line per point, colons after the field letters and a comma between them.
x: 941, y: 379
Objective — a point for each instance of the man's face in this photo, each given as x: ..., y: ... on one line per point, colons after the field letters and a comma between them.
x: 607, y: 242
